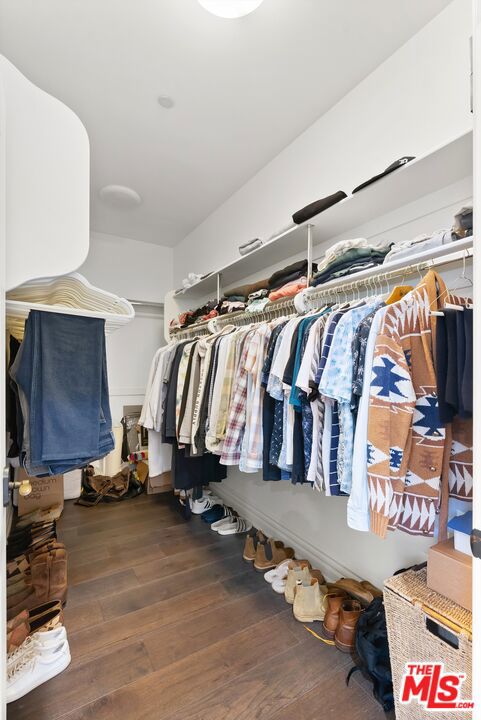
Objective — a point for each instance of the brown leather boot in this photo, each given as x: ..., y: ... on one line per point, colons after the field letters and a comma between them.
x: 270, y: 553
x: 58, y: 576
x: 335, y: 598
x: 40, y: 573
x: 345, y: 637
x: 252, y: 538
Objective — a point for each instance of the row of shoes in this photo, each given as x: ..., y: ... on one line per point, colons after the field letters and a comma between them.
x: 37, y: 646
x: 222, y: 519
x: 337, y: 606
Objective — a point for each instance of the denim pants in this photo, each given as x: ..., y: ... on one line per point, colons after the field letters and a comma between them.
x: 61, y: 374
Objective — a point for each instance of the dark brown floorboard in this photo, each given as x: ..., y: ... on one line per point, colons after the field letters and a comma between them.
x: 166, y: 622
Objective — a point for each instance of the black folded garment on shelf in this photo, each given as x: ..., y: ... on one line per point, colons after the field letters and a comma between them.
x: 318, y: 206
x: 288, y: 274
x: 394, y: 166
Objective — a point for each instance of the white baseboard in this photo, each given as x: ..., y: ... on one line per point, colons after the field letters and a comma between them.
x: 330, y: 567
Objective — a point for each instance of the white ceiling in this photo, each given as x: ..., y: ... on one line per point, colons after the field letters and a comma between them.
x: 243, y: 89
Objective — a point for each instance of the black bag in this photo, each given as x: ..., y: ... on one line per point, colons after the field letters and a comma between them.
x: 372, y: 650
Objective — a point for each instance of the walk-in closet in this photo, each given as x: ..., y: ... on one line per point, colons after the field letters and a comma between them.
x: 238, y: 304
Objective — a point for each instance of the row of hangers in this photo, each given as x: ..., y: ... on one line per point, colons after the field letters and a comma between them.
x: 70, y: 294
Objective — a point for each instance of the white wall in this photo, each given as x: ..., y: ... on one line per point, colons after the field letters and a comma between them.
x: 129, y: 353
x: 137, y: 271
x: 132, y: 269
x: 416, y: 100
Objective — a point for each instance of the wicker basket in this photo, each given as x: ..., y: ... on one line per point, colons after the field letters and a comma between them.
x: 414, y: 613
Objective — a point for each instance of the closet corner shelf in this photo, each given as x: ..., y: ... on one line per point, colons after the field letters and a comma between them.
x: 426, y: 174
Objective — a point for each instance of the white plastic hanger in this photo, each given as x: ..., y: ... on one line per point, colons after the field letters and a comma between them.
x: 70, y: 294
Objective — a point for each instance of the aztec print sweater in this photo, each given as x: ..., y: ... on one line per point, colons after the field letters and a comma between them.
x: 405, y: 435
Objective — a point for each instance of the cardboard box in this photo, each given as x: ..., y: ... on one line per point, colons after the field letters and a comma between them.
x: 450, y: 573
x: 159, y: 483
x: 45, y: 492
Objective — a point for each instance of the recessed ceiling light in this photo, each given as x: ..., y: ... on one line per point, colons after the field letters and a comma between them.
x: 120, y: 196
x: 165, y: 101
x: 230, y: 8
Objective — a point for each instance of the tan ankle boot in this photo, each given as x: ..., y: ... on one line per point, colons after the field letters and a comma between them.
x: 345, y: 637
x: 253, y: 537
x: 270, y: 553
x: 58, y: 576
x: 297, y: 574
x: 334, y: 599
x: 40, y: 573
x: 309, y: 601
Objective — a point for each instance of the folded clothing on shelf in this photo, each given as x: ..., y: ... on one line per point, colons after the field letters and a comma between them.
x: 420, y: 243
x: 248, y: 247
x: 289, y: 289
x: 257, y: 305
x: 318, y: 206
x: 390, y: 168
x: 244, y: 291
x: 352, y: 258
x: 289, y: 274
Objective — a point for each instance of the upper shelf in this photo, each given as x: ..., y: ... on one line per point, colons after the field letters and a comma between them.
x: 426, y: 174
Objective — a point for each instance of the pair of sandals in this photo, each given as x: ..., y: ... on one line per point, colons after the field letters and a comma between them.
x: 230, y: 523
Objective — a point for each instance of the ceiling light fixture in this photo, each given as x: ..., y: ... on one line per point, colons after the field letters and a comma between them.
x: 166, y: 101
x: 120, y: 196
x: 230, y: 8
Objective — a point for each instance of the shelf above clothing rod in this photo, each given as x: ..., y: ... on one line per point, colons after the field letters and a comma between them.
x: 403, y: 268
x: 437, y: 169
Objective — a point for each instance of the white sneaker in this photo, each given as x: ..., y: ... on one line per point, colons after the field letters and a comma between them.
x: 277, y: 573
x: 34, y: 668
x: 205, y: 503
x: 48, y: 640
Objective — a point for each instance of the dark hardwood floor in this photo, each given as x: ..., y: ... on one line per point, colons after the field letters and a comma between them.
x: 166, y: 622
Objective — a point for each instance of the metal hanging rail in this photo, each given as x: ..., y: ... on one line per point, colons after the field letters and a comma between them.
x: 311, y: 298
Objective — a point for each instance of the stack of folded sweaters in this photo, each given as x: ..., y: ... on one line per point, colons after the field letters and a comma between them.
x: 350, y: 256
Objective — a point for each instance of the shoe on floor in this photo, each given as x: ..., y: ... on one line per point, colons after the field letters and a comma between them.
x: 279, y: 573
x: 345, y: 635
x: 204, y: 503
x: 34, y: 667
x: 310, y: 601
x: 40, y: 515
x: 299, y: 570
x: 253, y: 538
x: 270, y: 553
x: 45, y: 626
x: 334, y: 599
x: 356, y: 589
x: 228, y: 517
x: 213, y: 514
x: 235, y: 528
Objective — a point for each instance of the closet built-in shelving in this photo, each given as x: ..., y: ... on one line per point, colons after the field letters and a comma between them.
x: 426, y: 174
x: 443, y: 166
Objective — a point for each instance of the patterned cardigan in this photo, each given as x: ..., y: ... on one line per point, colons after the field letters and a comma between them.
x: 405, y: 435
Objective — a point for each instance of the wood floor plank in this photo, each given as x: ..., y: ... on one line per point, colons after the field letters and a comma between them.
x: 331, y: 692
x: 187, y: 560
x: 77, y: 617
x: 101, y: 587
x: 171, y: 586
x: 166, y: 622
x: 174, y: 642
x: 184, y: 683
x: 82, y: 684
x: 262, y: 691
x: 128, y: 558
x: 91, y: 640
